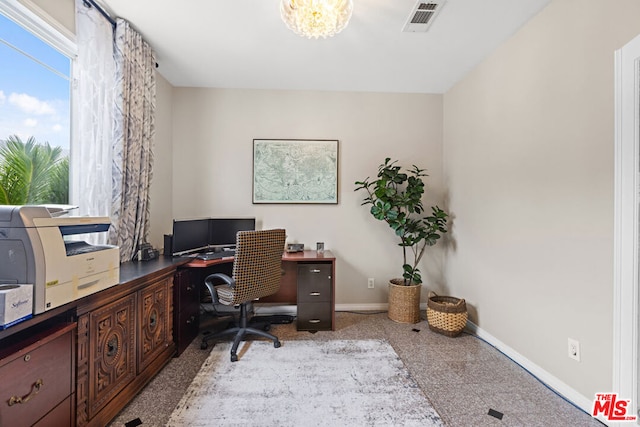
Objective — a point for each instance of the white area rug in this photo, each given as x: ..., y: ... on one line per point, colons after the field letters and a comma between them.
x: 305, y: 383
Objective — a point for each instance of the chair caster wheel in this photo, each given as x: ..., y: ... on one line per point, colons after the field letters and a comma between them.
x: 204, y: 345
x: 234, y: 357
x: 276, y: 344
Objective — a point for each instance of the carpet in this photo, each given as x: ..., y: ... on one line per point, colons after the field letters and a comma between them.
x: 305, y: 383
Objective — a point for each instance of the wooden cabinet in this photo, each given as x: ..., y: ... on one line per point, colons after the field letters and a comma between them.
x: 81, y: 363
x: 125, y: 336
x: 315, y: 296
x: 186, y: 314
x: 38, y: 381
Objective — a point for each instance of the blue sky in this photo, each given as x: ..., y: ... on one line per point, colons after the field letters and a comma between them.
x: 34, y: 101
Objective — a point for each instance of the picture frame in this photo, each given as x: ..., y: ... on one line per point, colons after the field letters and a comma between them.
x: 295, y: 171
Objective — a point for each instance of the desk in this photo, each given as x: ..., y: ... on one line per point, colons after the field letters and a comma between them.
x: 308, y: 281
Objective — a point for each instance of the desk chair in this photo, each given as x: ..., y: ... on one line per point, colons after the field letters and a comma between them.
x: 256, y: 273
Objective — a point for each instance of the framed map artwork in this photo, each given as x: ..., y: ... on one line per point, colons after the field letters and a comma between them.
x: 295, y: 171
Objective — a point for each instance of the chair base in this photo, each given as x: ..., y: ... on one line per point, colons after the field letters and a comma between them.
x: 241, y: 331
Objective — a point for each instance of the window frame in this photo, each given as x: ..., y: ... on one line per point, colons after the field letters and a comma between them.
x: 36, y: 21
x: 33, y: 19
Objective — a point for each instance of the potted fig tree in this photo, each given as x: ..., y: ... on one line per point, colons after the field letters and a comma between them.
x: 395, y: 197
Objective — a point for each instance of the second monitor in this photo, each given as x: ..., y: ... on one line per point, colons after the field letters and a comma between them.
x: 222, y: 231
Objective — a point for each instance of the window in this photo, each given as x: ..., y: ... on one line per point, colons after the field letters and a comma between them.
x: 35, y: 108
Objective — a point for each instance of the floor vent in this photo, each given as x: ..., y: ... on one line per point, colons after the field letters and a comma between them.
x: 422, y: 16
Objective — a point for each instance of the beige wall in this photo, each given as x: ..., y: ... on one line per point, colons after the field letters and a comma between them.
x: 528, y: 156
x: 59, y: 13
x: 213, y: 130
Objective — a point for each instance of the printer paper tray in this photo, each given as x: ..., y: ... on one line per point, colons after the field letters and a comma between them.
x: 63, y: 293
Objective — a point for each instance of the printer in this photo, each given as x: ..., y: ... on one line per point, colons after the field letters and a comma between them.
x: 39, y: 248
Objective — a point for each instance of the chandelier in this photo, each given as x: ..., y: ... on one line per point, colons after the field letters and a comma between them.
x: 316, y: 18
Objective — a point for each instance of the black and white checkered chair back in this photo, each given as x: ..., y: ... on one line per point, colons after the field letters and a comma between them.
x: 257, y: 266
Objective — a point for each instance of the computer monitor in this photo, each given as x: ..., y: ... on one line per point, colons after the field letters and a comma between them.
x: 222, y: 231
x: 190, y: 235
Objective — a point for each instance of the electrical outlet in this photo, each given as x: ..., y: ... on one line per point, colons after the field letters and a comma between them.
x: 371, y: 283
x: 574, y: 349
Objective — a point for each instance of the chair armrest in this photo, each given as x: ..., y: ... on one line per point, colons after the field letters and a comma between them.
x: 228, y: 281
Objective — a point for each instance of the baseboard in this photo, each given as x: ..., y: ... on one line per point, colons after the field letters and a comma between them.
x: 548, y: 379
x: 277, y: 308
x: 362, y: 307
x: 370, y: 307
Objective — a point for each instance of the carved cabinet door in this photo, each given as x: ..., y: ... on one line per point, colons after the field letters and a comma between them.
x: 106, y: 352
x: 155, y: 327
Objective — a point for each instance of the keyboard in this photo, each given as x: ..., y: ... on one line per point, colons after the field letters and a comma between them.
x: 205, y: 256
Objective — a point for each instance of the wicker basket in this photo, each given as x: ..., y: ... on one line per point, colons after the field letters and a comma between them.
x: 446, y: 315
x: 404, y: 302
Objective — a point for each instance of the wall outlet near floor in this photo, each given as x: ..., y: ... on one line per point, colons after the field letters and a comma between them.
x: 371, y: 283
x: 574, y: 349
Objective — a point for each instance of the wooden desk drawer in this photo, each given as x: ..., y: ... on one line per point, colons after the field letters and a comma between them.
x: 36, y: 381
x: 314, y: 282
x: 186, y: 310
x: 60, y: 416
x: 314, y: 316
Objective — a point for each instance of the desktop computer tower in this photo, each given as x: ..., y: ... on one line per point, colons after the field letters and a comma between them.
x: 168, y: 245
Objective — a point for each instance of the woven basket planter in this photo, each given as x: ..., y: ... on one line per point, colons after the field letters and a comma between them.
x: 446, y: 315
x: 404, y: 302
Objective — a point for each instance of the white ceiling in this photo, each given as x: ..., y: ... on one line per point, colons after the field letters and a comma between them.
x: 245, y: 44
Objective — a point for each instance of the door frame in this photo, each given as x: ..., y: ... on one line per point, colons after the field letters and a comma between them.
x: 626, y: 226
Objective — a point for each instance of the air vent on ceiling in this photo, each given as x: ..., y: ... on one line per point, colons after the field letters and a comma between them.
x: 422, y: 16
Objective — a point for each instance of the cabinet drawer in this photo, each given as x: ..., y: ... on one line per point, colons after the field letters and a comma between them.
x: 314, y: 316
x: 36, y: 382
x: 314, y: 282
x: 186, y: 310
x: 61, y: 415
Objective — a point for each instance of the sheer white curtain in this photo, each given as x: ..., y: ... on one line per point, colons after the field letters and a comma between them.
x: 92, y: 136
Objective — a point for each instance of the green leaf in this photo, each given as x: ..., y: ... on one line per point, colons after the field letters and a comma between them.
x: 30, y: 174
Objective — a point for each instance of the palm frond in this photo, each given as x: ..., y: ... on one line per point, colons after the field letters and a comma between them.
x: 27, y: 171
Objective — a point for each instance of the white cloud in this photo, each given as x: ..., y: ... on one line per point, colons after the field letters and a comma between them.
x: 31, y: 123
x: 2, y: 97
x: 30, y: 104
x: 51, y: 128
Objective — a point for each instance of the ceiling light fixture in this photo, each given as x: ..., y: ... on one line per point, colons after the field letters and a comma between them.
x: 316, y: 18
